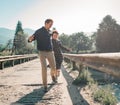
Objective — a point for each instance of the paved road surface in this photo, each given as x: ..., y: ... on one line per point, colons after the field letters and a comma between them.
x: 21, y: 85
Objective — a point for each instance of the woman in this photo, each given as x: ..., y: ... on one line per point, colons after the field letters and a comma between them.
x: 57, y: 47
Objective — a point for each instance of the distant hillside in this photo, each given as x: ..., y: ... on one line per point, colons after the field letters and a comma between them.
x: 29, y: 31
x: 6, y: 34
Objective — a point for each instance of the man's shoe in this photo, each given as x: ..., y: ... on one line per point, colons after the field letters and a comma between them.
x: 48, y: 66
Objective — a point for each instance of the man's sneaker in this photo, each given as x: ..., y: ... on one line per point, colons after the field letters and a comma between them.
x: 48, y: 66
x: 45, y: 89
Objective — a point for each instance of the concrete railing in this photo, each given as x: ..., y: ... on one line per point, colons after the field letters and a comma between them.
x: 105, y: 62
x: 12, y: 59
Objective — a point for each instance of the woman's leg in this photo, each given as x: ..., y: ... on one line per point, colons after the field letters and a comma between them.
x: 58, y: 67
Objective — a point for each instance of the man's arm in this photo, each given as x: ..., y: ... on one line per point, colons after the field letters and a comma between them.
x: 31, y: 38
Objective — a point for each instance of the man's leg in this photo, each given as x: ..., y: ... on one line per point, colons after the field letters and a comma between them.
x: 44, y: 68
x: 51, y: 59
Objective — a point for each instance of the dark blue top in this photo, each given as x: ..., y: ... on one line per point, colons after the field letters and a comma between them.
x: 43, y: 39
x: 58, y: 47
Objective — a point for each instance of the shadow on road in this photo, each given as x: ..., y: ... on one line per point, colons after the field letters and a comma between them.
x: 74, y: 91
x: 33, y: 97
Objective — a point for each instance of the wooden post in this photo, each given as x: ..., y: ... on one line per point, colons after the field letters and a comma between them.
x: 80, y: 68
x: 70, y: 63
x: 20, y: 60
x: 74, y: 65
x: 66, y: 60
x: 27, y: 59
x: 23, y: 60
x: 1, y: 65
x: 12, y: 62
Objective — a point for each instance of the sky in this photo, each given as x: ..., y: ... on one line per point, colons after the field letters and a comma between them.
x: 69, y: 16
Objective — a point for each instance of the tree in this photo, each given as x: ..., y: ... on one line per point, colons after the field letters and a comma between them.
x: 108, y: 35
x: 77, y: 41
x: 2, y: 47
x: 20, y: 45
x: 93, y: 41
x: 80, y: 42
x: 8, y: 46
x: 64, y: 39
x: 19, y: 28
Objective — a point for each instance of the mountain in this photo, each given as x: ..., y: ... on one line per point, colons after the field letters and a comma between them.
x: 29, y: 31
x: 7, y: 34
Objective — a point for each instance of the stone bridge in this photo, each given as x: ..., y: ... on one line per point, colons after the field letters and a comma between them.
x: 22, y: 85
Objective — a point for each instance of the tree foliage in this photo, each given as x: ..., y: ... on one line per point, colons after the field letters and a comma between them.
x: 108, y: 35
x: 19, y: 28
x: 77, y: 41
x: 20, y: 45
x: 8, y: 46
x: 64, y: 39
x: 93, y: 41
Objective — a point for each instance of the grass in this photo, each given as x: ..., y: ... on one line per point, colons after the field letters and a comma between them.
x: 5, y: 53
x: 84, y: 78
x: 103, y: 95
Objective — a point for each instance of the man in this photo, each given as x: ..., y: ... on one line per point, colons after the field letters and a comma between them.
x: 44, y: 46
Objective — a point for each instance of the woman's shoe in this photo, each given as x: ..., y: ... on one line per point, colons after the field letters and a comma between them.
x: 58, y: 73
x: 45, y: 89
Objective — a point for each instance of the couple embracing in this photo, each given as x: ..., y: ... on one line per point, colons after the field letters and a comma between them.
x: 50, y: 50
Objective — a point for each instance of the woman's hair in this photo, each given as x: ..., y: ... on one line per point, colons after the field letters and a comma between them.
x: 55, y: 32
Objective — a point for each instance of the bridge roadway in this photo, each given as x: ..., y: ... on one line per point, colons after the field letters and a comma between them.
x: 21, y: 85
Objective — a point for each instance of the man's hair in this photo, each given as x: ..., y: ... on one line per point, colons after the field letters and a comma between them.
x: 48, y: 21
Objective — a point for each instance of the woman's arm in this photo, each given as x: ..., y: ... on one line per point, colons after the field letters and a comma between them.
x: 64, y: 48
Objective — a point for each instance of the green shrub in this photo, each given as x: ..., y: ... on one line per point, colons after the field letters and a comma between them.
x: 105, y: 96
x: 84, y: 78
x: 69, y: 65
x: 99, y: 95
x: 102, y: 95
